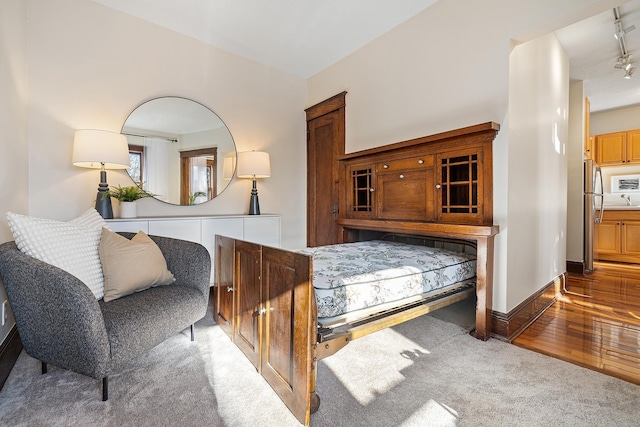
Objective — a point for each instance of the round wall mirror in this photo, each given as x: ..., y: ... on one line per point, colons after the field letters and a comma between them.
x: 180, y: 150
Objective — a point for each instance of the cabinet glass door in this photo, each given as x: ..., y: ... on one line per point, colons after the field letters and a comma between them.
x: 362, y: 191
x: 461, y: 198
x: 460, y: 184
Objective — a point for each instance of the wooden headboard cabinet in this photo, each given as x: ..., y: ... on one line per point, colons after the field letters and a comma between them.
x: 442, y: 178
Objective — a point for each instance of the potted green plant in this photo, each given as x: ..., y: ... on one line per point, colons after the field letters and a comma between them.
x: 194, y: 196
x: 127, y: 197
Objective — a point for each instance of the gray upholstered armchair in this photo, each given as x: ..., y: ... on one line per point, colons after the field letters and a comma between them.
x: 60, y: 322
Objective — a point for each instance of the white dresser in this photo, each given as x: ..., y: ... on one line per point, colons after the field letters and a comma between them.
x: 263, y: 229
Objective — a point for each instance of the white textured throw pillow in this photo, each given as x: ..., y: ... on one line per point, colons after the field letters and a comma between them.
x: 71, y: 246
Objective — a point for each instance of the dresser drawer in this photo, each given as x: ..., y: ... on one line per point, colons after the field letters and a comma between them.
x: 406, y: 164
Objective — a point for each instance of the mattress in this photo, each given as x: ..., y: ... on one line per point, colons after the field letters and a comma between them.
x: 354, y: 276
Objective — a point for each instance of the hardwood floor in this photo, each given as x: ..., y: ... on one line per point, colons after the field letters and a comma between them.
x: 595, y: 324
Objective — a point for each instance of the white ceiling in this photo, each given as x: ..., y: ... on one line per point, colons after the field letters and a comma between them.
x: 593, y: 51
x: 302, y: 37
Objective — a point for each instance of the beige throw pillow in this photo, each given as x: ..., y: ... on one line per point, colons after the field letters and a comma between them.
x: 132, y: 265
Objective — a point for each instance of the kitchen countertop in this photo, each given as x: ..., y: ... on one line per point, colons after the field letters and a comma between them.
x: 621, y: 208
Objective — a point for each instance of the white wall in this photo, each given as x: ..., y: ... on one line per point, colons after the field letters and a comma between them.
x: 575, y: 172
x: 537, y: 164
x: 90, y: 66
x: 446, y: 68
x: 615, y: 120
x: 14, y: 188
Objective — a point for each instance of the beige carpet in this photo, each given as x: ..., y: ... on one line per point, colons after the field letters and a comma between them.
x: 426, y: 372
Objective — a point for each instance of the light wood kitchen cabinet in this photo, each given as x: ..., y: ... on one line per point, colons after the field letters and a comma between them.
x: 617, y: 238
x: 618, y: 148
x: 588, y: 139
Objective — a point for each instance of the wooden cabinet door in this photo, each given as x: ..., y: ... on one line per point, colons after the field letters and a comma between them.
x: 406, y: 195
x: 630, y: 232
x: 460, y: 186
x: 611, y: 148
x: 633, y: 146
x: 223, y: 310
x: 607, y: 238
x: 248, y: 296
x: 405, y: 189
x: 361, y: 191
x: 288, y: 329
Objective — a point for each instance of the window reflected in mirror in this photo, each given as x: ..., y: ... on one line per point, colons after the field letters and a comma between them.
x: 136, y: 160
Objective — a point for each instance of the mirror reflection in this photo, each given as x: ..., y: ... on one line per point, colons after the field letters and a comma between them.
x: 180, y: 150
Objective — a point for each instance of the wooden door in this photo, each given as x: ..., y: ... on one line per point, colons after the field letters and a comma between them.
x: 611, y: 148
x: 288, y: 329
x: 607, y: 238
x: 325, y: 144
x: 630, y: 232
x: 633, y: 146
x: 248, y: 297
x: 223, y: 310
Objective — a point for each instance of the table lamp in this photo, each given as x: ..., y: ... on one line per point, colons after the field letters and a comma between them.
x: 105, y: 150
x: 253, y: 164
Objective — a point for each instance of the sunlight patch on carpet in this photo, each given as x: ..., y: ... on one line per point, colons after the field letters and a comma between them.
x: 365, y: 383
x: 433, y: 414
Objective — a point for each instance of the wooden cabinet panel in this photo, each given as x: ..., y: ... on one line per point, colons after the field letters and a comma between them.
x: 633, y: 146
x: 287, y: 298
x: 273, y: 325
x: 445, y: 178
x: 607, y: 238
x: 630, y: 234
x: 617, y: 238
x: 618, y: 148
x: 419, y: 162
x: 406, y: 195
x: 611, y: 148
x: 248, y: 297
x: 223, y: 309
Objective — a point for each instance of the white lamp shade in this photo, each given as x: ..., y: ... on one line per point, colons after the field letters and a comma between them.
x: 253, y: 164
x: 92, y: 148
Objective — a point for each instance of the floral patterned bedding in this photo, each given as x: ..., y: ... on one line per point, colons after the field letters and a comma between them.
x: 353, y: 276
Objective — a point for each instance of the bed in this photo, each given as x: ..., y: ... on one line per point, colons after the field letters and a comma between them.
x: 267, y: 304
x: 285, y: 318
x: 351, y: 280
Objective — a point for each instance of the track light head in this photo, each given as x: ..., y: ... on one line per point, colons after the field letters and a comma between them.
x: 629, y: 72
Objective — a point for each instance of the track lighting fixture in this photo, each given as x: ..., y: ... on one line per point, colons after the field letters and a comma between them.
x: 620, y: 32
x: 624, y: 61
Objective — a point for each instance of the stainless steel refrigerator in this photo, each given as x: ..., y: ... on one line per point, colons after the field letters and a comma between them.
x: 593, y: 208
